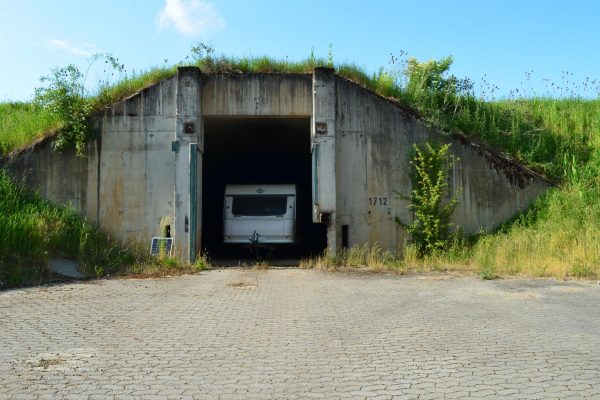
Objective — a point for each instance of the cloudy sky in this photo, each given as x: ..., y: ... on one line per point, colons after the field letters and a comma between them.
x: 496, y: 40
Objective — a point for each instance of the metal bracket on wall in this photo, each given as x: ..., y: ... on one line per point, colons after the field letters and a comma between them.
x: 175, y: 146
x: 188, y: 127
x: 325, y: 218
x: 321, y: 128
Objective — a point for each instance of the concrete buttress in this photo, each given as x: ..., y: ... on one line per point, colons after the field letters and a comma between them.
x: 323, y: 133
x: 186, y: 133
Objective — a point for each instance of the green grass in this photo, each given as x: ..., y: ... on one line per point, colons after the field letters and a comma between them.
x: 34, y: 230
x: 128, y: 86
x: 21, y: 123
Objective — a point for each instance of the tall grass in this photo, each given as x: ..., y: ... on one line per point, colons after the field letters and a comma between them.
x: 33, y: 231
x: 558, y: 237
x: 369, y: 257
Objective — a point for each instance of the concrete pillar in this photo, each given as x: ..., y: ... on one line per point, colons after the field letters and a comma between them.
x: 186, y: 133
x: 323, y: 132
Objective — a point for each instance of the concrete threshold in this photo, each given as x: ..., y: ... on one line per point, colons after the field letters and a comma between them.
x: 250, y: 263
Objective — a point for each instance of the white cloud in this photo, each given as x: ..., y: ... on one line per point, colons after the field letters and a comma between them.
x: 60, y: 44
x: 190, y: 17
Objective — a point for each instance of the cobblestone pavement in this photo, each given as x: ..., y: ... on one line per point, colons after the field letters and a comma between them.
x: 279, y: 334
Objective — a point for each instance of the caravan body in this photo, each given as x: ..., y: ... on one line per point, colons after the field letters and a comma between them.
x: 261, y: 213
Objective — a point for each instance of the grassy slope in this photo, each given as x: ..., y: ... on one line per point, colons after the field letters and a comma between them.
x: 560, y: 236
x: 20, y: 124
x: 557, y: 137
x: 33, y: 230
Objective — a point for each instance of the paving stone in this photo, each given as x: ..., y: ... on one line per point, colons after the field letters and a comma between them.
x: 298, y: 334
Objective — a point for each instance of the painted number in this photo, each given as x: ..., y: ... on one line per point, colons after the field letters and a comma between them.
x: 378, y: 201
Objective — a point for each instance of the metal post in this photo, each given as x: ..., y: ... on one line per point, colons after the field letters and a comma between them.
x: 193, y: 201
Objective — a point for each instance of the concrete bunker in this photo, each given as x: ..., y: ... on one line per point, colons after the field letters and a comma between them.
x: 262, y: 151
x: 163, y: 156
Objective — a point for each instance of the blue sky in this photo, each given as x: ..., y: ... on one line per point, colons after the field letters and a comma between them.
x: 498, y: 40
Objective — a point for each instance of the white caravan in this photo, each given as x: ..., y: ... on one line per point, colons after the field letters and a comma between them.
x: 259, y: 214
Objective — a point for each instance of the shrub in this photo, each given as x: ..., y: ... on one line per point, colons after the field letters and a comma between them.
x: 430, y: 228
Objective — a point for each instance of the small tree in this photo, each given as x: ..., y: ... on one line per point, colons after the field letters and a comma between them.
x: 436, y: 93
x: 64, y: 97
x: 431, y: 164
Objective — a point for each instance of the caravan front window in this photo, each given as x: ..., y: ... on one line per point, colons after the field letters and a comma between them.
x: 254, y: 206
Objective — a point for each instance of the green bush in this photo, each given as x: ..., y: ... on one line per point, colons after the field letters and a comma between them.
x: 429, y: 174
x: 64, y: 98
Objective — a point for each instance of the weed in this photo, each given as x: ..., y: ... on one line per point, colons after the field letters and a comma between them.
x: 99, y: 270
x: 366, y: 256
x: 582, y: 271
x: 169, y: 262
x: 201, y: 263
x: 261, y: 265
x: 487, y: 274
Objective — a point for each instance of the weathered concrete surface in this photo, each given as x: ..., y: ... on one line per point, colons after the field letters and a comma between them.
x: 137, y: 166
x: 375, y: 138
x: 257, y: 95
x: 323, y: 143
x: 65, y: 267
x: 275, y: 334
x: 59, y: 177
x: 187, y: 132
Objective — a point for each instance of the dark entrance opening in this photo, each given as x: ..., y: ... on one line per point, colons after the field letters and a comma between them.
x: 258, y: 151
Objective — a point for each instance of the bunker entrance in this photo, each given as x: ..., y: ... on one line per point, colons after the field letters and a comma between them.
x: 247, y: 154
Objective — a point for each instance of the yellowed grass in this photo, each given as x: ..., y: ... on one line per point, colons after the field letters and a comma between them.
x: 525, y: 252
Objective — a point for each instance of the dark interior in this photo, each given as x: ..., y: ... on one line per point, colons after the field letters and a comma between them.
x: 258, y: 151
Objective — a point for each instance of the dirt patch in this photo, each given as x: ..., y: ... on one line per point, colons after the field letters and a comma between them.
x: 567, y: 289
x: 510, y: 295
x: 66, y: 361
x: 243, y: 284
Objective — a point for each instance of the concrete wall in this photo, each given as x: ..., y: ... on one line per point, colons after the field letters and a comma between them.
x: 491, y: 188
x: 257, y: 95
x: 374, y: 141
x: 59, y: 177
x: 137, y: 166
x: 126, y: 181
